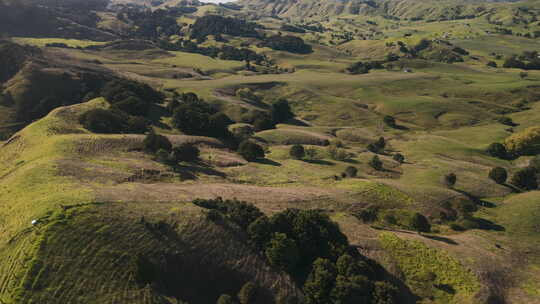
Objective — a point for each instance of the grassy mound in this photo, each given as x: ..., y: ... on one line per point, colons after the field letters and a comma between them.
x: 285, y: 136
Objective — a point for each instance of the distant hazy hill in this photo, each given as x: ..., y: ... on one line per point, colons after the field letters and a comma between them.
x: 430, y: 9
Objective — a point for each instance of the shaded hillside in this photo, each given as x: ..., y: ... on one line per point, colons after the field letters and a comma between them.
x: 13, y: 57
x: 70, y: 21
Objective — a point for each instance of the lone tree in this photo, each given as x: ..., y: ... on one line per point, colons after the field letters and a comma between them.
x: 351, y: 171
x: 378, y: 146
x: 376, y: 163
x: 281, y: 111
x: 497, y: 150
x: 297, y: 152
x: 154, y: 142
x: 390, y: 121
x: 450, y: 180
x: 420, y: 223
x: 498, y: 175
x: 525, y: 179
x: 399, y: 158
x: 185, y: 152
x: 250, y: 151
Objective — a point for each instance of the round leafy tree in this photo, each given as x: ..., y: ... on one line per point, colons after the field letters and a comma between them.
x: 420, y: 223
x: 376, y: 163
x: 297, y: 152
x: 497, y: 150
x: 399, y: 158
x: 250, y: 151
x: 186, y: 152
x: 154, y: 142
x: 450, y: 180
x: 525, y: 179
x: 281, y: 111
x: 351, y: 171
x: 390, y: 121
x: 498, y: 175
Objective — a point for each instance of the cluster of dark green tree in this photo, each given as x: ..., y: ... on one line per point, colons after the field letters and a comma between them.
x: 164, y: 151
x: 525, y: 178
x: 193, y: 116
x: 311, y: 248
x: 413, y: 221
x: 130, y: 102
x: 528, y: 60
x: 291, y: 44
x: 441, y: 51
x: 225, y: 52
x: 215, y: 24
x: 364, y: 67
x: 153, y: 24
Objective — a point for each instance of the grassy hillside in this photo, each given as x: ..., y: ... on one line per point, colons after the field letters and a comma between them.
x: 88, y: 218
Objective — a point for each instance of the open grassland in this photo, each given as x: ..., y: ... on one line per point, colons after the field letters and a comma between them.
x: 41, y: 42
x: 435, y: 273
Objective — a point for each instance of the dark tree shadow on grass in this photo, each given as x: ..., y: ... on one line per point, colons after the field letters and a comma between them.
x: 440, y: 239
x: 476, y: 199
x: 266, y: 161
x: 319, y: 162
x: 190, y: 170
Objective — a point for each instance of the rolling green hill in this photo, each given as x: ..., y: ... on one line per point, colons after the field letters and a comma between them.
x: 381, y: 123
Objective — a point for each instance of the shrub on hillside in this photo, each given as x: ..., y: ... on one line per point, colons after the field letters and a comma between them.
x: 376, y: 163
x: 112, y: 121
x: 281, y: 111
x: 247, y: 94
x: 525, y: 179
x: 351, y: 171
x: 449, y: 180
x: 130, y: 96
x: 498, y: 175
x: 389, y: 121
x: 290, y: 44
x: 399, y: 158
x: 497, y: 150
x: 297, y: 152
x: 199, y: 118
x: 339, y: 154
x: 378, y: 146
x: 154, y: 142
x: 526, y: 142
x: 239, y: 212
x: 263, y: 122
x: 185, y: 152
x: 419, y: 223
x: 250, y: 151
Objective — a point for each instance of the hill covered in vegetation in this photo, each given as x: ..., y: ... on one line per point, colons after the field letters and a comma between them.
x: 316, y: 152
